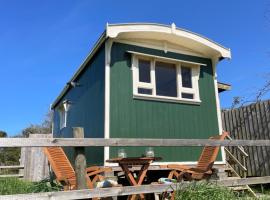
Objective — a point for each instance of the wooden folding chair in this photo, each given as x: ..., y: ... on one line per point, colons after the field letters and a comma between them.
x: 204, y: 165
x: 65, y: 173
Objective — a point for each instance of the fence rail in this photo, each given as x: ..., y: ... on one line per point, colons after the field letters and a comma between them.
x: 12, y: 167
x: 127, y: 190
x: 86, y: 142
x: 120, y: 191
x: 9, y: 175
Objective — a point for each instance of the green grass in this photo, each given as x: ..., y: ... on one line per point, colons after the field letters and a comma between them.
x: 17, y: 186
x: 206, y: 191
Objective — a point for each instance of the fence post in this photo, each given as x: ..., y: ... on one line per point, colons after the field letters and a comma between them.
x: 80, y: 160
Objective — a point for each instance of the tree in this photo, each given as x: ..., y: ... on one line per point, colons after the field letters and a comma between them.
x: 34, y: 129
x: 3, y: 134
x: 259, y: 95
x: 44, y: 128
x: 47, y: 123
x: 9, y: 156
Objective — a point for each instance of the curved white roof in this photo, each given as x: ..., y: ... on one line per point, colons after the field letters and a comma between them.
x: 158, y: 32
x: 169, y: 34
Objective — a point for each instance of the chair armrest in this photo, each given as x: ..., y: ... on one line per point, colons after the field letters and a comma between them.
x: 96, y: 168
x: 178, y: 167
x: 101, y: 170
x: 198, y: 171
x: 92, y: 168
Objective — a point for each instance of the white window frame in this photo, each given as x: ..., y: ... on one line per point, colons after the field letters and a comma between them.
x: 195, y: 72
x: 62, y: 117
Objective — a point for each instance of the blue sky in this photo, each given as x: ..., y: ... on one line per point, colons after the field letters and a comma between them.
x: 42, y: 43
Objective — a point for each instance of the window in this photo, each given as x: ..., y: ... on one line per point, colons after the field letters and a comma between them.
x: 165, y: 79
x: 63, y: 110
x: 144, y: 71
x: 161, y: 79
x: 186, y: 77
x: 62, y: 118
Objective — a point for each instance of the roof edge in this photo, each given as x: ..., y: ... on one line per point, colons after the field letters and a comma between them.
x: 95, y: 48
x: 113, y: 30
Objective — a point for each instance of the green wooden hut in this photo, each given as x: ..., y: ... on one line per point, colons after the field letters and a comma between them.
x: 144, y: 81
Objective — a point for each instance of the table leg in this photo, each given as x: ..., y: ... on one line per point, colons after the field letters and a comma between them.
x: 142, y: 173
x: 131, y: 180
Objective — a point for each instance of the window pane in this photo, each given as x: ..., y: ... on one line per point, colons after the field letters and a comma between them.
x: 187, y: 96
x: 144, y: 91
x: 186, y: 77
x: 166, y: 79
x: 144, y: 71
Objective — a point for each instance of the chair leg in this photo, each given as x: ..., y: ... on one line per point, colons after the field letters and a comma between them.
x: 181, y: 176
x: 156, y: 196
x: 173, y: 195
x: 171, y: 174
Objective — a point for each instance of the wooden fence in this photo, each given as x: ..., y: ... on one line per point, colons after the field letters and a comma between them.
x: 124, y: 142
x: 17, y: 167
x: 34, y: 161
x: 127, y: 190
x: 251, y: 122
x: 120, y: 191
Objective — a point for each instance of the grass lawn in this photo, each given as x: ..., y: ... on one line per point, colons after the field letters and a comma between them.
x: 207, y: 191
x: 18, y: 186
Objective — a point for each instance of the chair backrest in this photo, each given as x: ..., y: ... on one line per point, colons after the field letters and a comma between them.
x: 59, y: 163
x: 209, y: 154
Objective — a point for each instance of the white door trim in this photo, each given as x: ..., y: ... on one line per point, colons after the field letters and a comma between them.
x: 214, y: 65
x: 108, y: 46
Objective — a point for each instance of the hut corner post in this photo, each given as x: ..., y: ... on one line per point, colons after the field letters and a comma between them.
x: 80, y: 160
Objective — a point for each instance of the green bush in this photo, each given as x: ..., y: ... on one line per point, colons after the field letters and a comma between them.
x: 204, y: 191
x: 17, y: 186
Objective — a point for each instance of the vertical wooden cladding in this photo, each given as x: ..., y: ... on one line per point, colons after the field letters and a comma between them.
x: 251, y: 123
x: 133, y: 118
x: 87, y: 107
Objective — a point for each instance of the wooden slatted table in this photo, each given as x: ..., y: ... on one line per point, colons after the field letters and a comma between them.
x: 126, y: 163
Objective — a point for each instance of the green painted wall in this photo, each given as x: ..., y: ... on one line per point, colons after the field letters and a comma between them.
x: 132, y: 118
x: 87, y: 109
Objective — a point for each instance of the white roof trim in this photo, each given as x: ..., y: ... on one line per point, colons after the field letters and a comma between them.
x: 170, y: 33
x: 166, y: 58
x: 114, y: 30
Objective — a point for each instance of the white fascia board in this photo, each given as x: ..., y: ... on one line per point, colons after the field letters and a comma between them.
x: 114, y: 31
x: 166, y: 58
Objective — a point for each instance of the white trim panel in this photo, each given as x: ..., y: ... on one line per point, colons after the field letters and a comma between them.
x: 166, y: 58
x: 108, y: 46
x: 214, y: 63
x: 161, y: 45
x: 168, y: 163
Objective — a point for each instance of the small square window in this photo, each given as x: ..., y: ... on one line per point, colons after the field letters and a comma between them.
x: 186, y: 77
x: 187, y: 96
x: 144, y: 71
x: 144, y: 91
